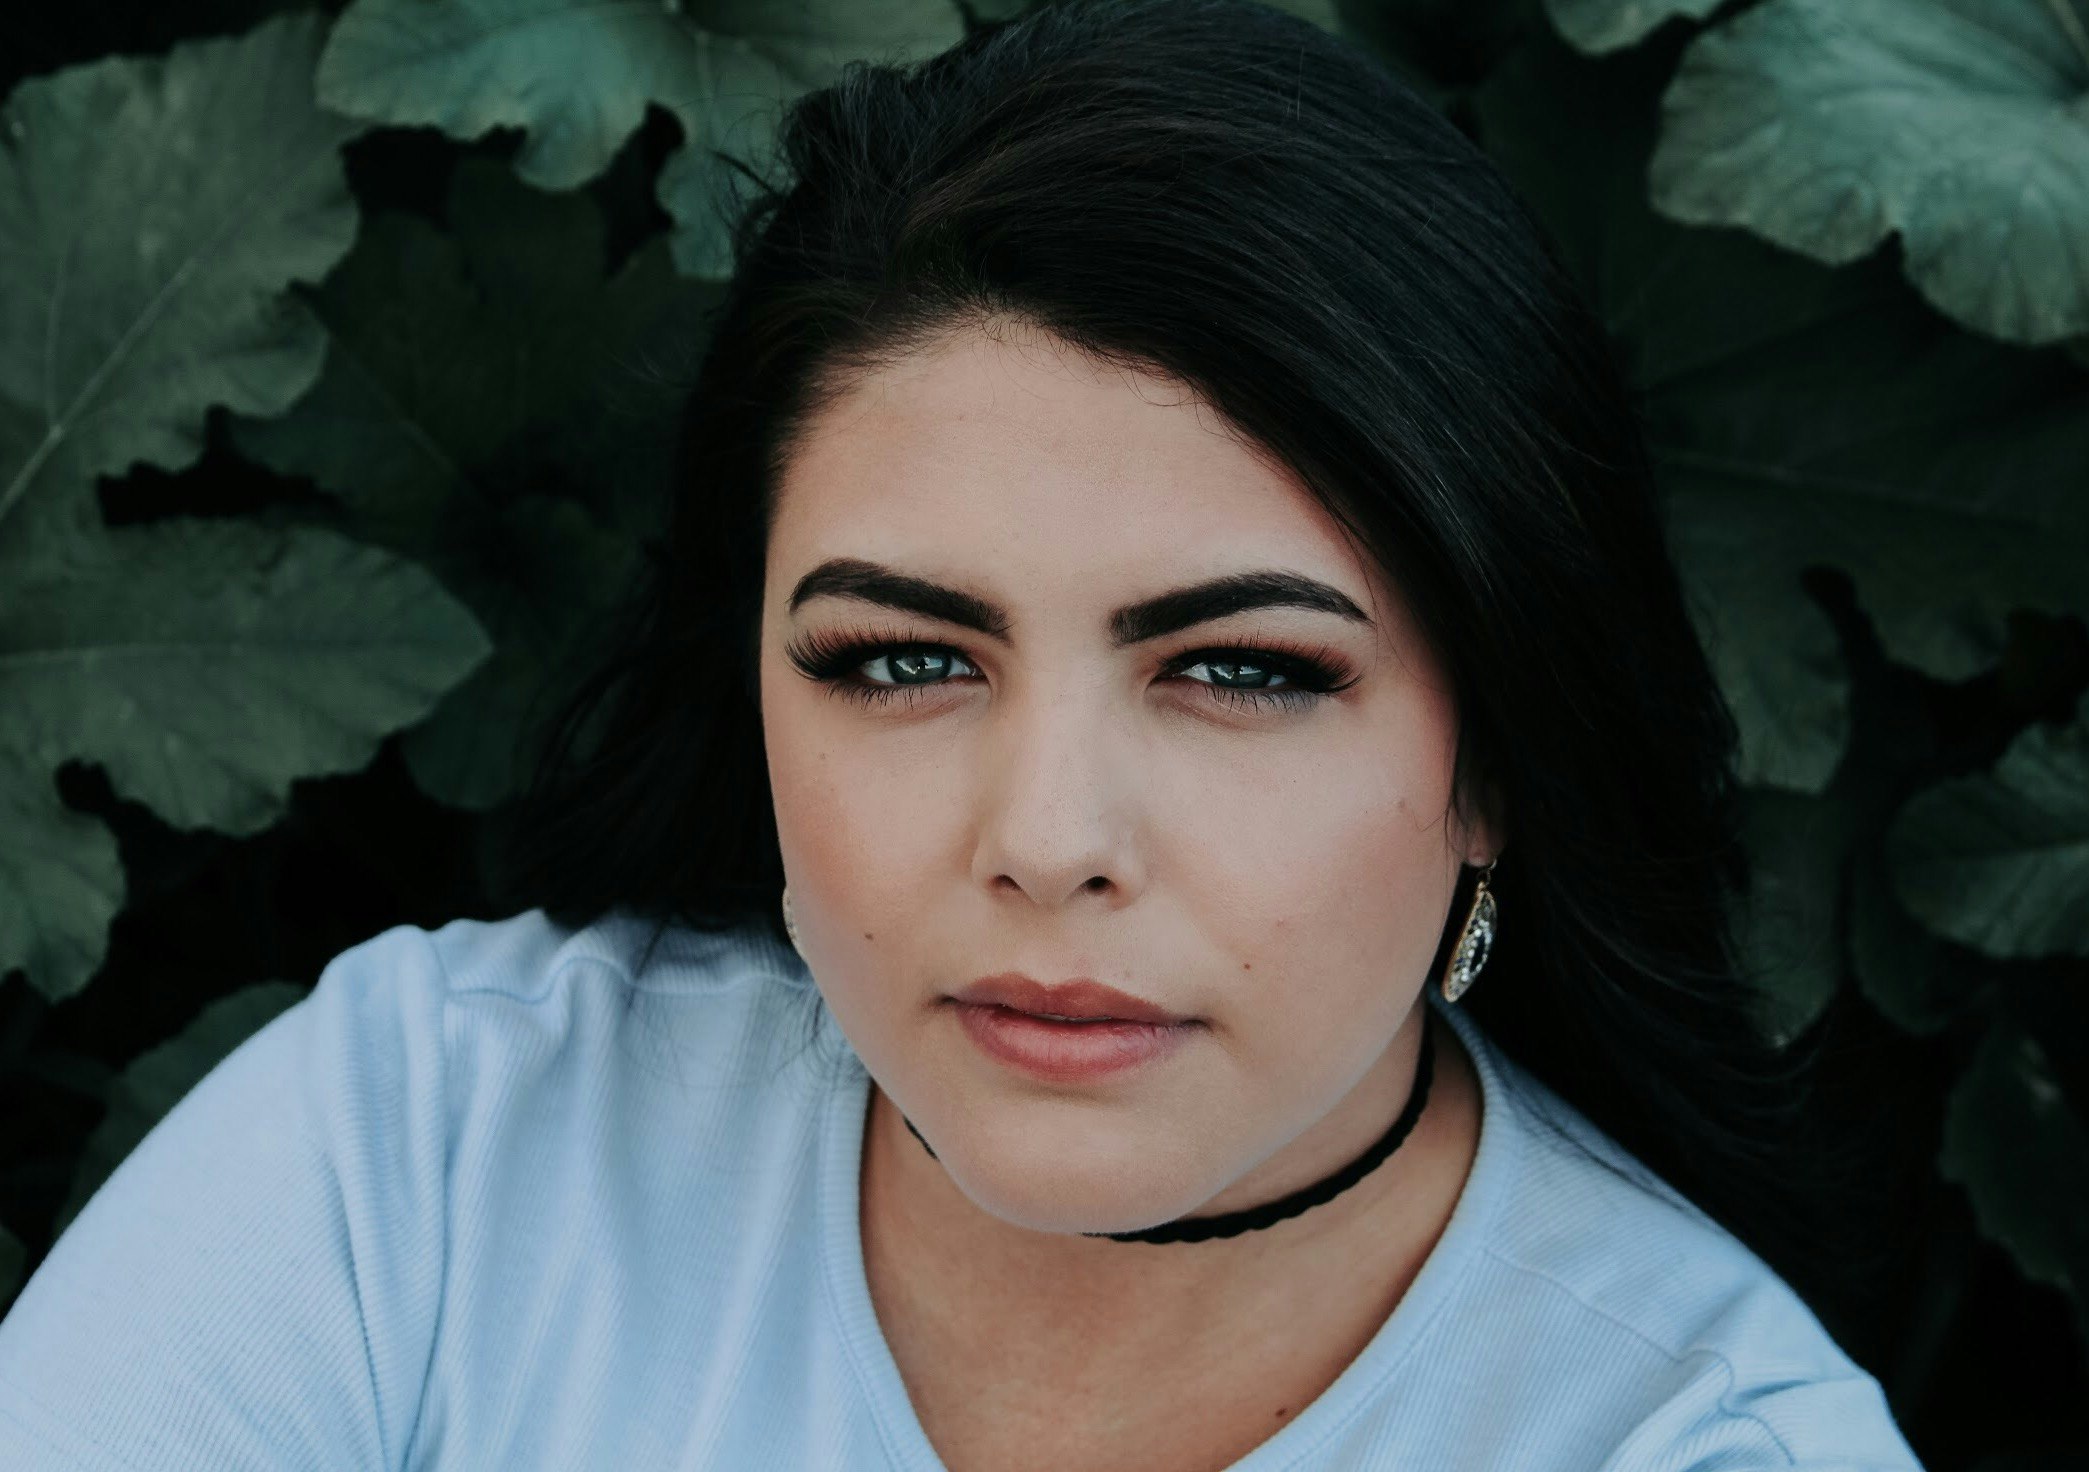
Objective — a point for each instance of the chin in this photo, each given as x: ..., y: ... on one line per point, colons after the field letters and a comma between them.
x: 1058, y: 1201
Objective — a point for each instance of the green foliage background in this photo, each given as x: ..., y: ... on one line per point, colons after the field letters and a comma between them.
x: 339, y: 352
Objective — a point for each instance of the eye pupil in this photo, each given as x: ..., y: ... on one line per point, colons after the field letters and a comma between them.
x: 1230, y: 672
x: 918, y: 665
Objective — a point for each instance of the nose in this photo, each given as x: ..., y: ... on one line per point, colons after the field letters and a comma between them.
x: 1059, y: 813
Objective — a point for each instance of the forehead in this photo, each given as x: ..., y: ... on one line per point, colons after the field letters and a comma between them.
x: 1019, y: 447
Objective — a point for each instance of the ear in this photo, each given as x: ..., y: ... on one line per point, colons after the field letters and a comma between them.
x: 1487, y: 833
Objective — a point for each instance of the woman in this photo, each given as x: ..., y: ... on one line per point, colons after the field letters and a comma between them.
x: 1165, y: 568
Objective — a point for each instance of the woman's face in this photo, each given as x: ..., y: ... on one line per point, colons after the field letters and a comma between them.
x: 1167, y: 812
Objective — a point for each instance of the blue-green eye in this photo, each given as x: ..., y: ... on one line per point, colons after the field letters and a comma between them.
x: 1239, y: 675
x: 1304, y: 681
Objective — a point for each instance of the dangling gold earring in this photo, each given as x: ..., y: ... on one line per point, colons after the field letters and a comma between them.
x: 790, y: 927
x: 1475, y: 940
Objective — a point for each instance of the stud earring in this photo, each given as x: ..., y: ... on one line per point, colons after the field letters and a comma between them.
x: 1475, y: 940
x: 790, y: 926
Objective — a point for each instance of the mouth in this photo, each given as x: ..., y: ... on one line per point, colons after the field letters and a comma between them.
x: 1081, y: 1001
x: 1067, y: 1032
x: 1066, y: 1050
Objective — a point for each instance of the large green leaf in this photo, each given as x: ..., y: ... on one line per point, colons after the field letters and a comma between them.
x: 1823, y: 125
x: 2000, y: 860
x: 1918, y: 981
x: 1323, y: 13
x: 207, y: 664
x: 1803, y: 416
x: 152, y: 211
x: 1791, y: 929
x: 2013, y: 1141
x: 1605, y: 25
x: 577, y: 75
x: 157, y: 1079
x: 470, y: 366
x: 492, y: 406
x: 1933, y: 467
x: 61, y: 883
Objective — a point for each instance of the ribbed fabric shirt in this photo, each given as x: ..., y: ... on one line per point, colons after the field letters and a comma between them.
x: 497, y: 1196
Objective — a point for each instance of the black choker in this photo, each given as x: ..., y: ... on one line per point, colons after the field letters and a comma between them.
x: 1253, y: 1218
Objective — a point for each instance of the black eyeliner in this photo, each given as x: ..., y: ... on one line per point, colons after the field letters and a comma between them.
x: 831, y: 658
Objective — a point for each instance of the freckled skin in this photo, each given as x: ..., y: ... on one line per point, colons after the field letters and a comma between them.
x: 1063, y: 808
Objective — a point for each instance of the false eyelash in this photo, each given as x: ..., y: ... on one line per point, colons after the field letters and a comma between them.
x: 1313, y: 672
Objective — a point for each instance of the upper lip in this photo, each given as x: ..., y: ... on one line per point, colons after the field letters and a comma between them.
x: 1080, y: 997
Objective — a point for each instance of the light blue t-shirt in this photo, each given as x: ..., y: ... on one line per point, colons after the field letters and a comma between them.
x: 492, y: 1197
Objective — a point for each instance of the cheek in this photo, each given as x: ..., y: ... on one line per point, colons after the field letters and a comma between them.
x: 869, y: 802
x: 858, y: 832
x: 1328, y: 886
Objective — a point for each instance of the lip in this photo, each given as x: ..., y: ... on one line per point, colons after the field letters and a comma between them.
x: 1001, y: 1015
x: 1067, y: 1052
x: 1081, y: 997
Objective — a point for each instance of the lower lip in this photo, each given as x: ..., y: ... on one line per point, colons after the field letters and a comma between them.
x: 1065, y: 1052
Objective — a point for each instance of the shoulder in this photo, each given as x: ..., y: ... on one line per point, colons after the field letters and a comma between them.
x: 523, y: 1005
x: 1699, y: 1353
x: 271, y: 1277
x: 527, y: 957
x: 494, y: 972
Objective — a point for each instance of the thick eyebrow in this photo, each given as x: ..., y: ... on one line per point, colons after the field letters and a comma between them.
x: 1135, y: 623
